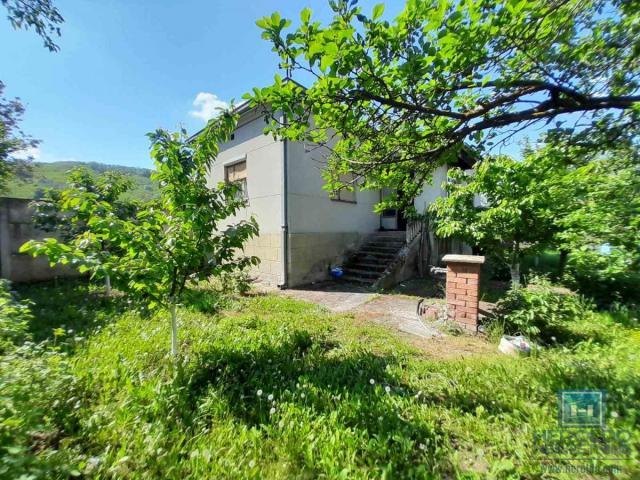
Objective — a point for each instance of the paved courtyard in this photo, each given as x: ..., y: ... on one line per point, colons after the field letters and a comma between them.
x: 393, y: 310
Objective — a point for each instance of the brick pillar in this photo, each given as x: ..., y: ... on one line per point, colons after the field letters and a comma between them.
x: 463, y: 288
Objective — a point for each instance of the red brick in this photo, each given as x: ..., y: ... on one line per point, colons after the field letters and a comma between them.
x: 459, y: 291
x: 472, y: 281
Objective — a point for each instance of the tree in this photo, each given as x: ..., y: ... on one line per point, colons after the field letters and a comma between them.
x: 41, y: 15
x: 179, y: 238
x: 59, y: 210
x: 506, y: 207
x: 403, y: 96
x: 14, y: 143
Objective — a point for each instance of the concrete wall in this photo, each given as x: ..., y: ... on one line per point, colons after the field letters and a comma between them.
x: 16, y: 228
x: 264, y: 156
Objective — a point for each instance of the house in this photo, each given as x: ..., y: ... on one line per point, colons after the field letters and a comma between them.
x: 303, y: 230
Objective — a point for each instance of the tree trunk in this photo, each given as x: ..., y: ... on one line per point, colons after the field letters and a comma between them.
x: 107, y: 284
x: 174, y: 330
x: 515, y: 265
x: 564, y: 254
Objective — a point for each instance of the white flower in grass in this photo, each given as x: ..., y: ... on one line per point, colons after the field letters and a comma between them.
x: 372, y: 381
x: 272, y: 411
x: 422, y: 446
x: 614, y: 414
x: 259, y: 393
x: 387, y: 389
x: 270, y: 397
x: 252, y: 463
x: 302, y: 395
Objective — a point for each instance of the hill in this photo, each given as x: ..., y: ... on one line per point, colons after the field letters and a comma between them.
x: 53, y: 175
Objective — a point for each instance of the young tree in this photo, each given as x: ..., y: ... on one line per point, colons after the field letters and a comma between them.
x: 182, y: 237
x: 59, y: 211
x: 403, y: 95
x: 506, y: 207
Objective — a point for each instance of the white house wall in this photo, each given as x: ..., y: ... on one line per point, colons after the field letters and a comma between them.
x: 321, y: 231
x: 432, y: 190
x: 264, y: 179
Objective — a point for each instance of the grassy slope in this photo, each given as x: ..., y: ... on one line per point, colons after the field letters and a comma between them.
x: 53, y: 175
x: 350, y: 400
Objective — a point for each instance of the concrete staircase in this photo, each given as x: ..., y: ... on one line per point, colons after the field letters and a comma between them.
x: 367, y: 265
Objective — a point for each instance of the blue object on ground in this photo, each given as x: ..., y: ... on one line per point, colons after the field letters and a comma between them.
x: 336, y: 272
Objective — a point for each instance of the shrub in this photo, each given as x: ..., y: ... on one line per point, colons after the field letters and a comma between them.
x: 14, y: 319
x: 607, y: 279
x: 540, y: 311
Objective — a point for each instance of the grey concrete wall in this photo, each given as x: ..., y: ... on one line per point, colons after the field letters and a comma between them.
x: 16, y: 228
x: 312, y: 254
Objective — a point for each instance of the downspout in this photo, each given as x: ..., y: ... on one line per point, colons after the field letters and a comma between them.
x: 284, y: 240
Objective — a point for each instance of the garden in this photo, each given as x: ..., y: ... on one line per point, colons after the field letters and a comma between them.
x: 269, y: 387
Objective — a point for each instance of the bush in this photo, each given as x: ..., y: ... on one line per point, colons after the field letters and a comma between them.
x: 540, y: 311
x: 14, y: 319
x: 607, y: 279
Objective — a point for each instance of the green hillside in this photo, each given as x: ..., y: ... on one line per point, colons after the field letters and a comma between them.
x: 53, y: 175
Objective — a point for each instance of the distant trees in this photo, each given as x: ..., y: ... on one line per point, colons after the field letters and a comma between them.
x: 181, y: 237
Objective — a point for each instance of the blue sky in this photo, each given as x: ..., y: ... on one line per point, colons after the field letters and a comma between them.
x: 127, y: 67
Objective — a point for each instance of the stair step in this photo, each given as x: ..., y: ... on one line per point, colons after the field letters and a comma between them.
x: 362, y: 273
x: 377, y: 255
x: 376, y: 248
x: 355, y: 279
x: 379, y: 267
x: 397, y: 245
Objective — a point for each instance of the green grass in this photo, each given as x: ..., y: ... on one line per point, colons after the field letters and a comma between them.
x: 54, y: 175
x: 350, y: 399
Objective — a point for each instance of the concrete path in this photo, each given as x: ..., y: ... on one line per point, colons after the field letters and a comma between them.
x: 395, y: 311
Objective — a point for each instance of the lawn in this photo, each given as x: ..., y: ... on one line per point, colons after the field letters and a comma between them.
x: 270, y: 387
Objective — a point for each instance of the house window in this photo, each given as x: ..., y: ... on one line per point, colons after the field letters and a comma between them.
x: 345, y: 195
x: 237, y: 173
x: 389, y: 213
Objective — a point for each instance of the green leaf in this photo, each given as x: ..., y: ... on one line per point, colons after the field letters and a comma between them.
x: 378, y: 10
x: 305, y: 15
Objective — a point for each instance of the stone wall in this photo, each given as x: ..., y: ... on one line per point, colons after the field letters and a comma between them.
x: 267, y: 247
x: 16, y: 228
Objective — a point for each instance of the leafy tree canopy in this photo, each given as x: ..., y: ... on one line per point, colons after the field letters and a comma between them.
x: 41, y: 15
x: 405, y: 95
x: 505, y: 206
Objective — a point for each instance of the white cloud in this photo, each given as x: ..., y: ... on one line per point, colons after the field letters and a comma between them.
x: 31, y: 152
x: 207, y: 106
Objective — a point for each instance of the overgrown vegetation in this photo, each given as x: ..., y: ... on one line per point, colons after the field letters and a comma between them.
x: 540, y: 311
x: 14, y: 319
x: 276, y: 388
